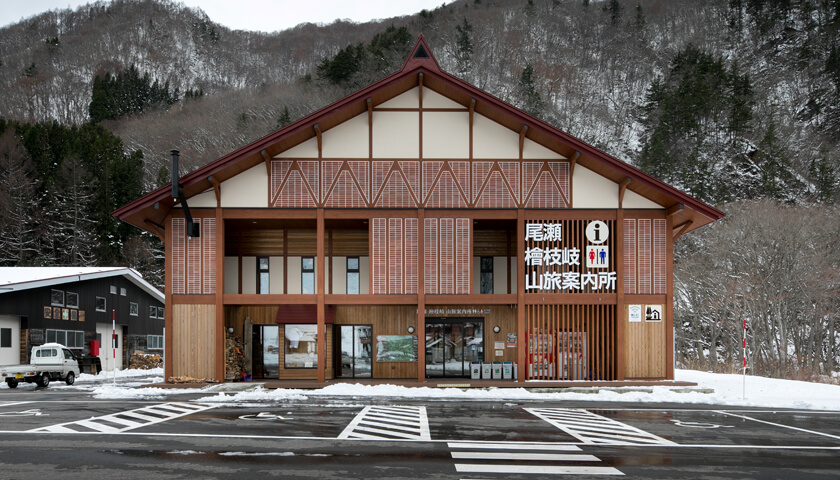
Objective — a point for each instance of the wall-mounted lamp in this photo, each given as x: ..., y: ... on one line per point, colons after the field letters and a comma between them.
x: 496, y: 329
x: 230, y: 329
x: 410, y: 329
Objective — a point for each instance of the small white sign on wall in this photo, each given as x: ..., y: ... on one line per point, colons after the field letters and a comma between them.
x: 635, y: 313
x: 653, y: 313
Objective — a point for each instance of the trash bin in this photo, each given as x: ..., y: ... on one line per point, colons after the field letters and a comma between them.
x: 486, y: 371
x: 475, y: 370
x: 497, y: 370
x: 507, y: 370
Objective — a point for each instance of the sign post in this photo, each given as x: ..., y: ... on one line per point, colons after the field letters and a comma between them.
x: 744, y: 393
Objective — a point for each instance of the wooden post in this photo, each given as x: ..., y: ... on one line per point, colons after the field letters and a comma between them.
x: 319, y: 291
x: 421, y: 296
x: 170, y: 304
x: 620, y: 320
x: 220, y: 290
x: 669, y: 298
x: 521, y: 341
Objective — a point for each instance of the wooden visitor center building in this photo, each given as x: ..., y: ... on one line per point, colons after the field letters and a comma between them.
x: 410, y: 229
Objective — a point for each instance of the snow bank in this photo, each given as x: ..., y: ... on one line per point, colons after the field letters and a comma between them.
x: 728, y: 390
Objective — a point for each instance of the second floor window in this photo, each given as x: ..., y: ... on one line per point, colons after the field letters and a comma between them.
x: 353, y: 275
x: 262, y: 275
x: 486, y: 274
x: 307, y: 275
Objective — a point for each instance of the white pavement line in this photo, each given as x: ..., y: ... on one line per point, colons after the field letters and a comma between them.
x: 545, y: 470
x: 403, y: 428
x: 121, y: 421
x: 393, y: 422
x: 779, y: 424
x: 380, y: 418
x: 94, y: 424
x: 598, y: 429
x: 550, y: 457
x: 11, y: 404
x: 388, y: 433
x: 99, y: 427
x: 515, y: 446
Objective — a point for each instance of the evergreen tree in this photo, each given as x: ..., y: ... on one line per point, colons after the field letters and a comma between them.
x: 825, y: 178
x: 773, y: 161
x: 464, y: 46
x: 18, y: 199
x: 285, y: 118
x: 614, y: 8
x: 530, y: 97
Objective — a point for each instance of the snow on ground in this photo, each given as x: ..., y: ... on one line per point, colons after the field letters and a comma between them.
x: 728, y: 390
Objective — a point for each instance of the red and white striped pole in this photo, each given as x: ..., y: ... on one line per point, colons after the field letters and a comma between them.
x: 744, y: 393
x: 114, y: 342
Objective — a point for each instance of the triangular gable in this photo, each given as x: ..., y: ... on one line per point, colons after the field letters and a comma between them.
x: 422, y: 70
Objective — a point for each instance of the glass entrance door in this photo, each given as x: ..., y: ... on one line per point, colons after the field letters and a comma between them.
x: 451, y: 344
x: 266, y: 351
x: 355, y: 351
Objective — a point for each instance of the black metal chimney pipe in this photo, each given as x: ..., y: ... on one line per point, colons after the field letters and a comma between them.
x: 175, y: 176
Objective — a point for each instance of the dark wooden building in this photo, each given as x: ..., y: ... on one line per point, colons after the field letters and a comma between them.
x: 75, y: 306
x: 412, y: 228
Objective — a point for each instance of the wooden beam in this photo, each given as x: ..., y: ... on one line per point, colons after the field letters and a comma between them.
x: 682, y: 228
x: 320, y: 140
x: 155, y: 228
x: 672, y: 210
x: 472, y: 116
x: 217, y: 189
x: 370, y: 111
x: 572, y: 164
x: 522, y: 140
x: 420, y: 84
x: 267, y: 159
x: 622, y: 187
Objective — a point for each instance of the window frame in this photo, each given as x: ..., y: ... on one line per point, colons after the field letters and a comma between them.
x: 133, y: 309
x: 485, y: 271
x: 157, y: 340
x: 303, y: 275
x: 260, y: 272
x: 67, y: 302
x: 152, y: 311
x: 53, y: 302
x: 308, y: 328
x: 355, y: 271
x: 104, y: 304
x: 3, y: 334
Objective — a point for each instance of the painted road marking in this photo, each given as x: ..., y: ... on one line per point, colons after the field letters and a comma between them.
x: 595, y: 429
x: 390, y: 423
x: 125, y: 421
x: 779, y: 424
x: 517, y: 459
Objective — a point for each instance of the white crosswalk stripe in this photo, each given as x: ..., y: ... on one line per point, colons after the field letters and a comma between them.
x: 129, y: 420
x: 595, y: 429
x: 493, y: 459
x: 408, y: 423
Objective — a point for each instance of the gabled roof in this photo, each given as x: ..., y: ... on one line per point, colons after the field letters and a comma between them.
x: 15, y: 279
x: 421, y: 68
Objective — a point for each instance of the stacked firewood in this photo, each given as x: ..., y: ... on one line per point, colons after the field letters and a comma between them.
x: 142, y: 361
x: 234, y: 357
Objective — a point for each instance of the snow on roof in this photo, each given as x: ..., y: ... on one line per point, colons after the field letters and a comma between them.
x: 14, y: 279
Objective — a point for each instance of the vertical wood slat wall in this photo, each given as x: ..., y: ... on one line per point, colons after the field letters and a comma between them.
x: 588, y: 352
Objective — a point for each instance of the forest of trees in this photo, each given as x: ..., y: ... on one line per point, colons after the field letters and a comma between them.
x: 735, y: 101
